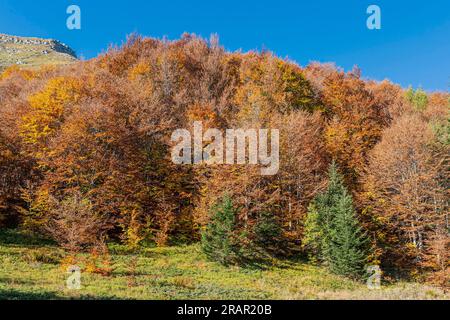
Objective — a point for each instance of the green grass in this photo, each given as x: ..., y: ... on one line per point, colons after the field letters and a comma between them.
x: 31, y: 56
x: 30, y: 269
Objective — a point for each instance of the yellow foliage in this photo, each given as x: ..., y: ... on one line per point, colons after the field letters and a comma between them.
x: 47, y: 109
x: 139, y: 69
x: 133, y: 230
x: 35, y: 217
x: 15, y: 69
x: 68, y: 261
x: 99, y: 263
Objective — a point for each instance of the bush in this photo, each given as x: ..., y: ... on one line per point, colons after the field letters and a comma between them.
x: 418, y: 98
x: 43, y: 255
x: 227, y: 242
x: 74, y: 225
x: 268, y: 235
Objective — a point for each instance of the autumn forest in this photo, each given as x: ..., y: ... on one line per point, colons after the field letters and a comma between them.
x: 85, y: 160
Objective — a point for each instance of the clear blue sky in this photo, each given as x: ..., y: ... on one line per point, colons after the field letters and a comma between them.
x: 412, y: 48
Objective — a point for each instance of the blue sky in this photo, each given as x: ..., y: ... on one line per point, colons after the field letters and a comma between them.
x: 412, y: 47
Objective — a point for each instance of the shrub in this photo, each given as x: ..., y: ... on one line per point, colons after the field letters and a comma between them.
x: 43, y: 255
x: 228, y: 242
x: 418, y: 98
x: 268, y: 235
x: 74, y: 225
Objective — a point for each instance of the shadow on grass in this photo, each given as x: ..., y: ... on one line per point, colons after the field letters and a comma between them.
x: 15, y: 237
x: 267, y: 261
x: 12, y: 294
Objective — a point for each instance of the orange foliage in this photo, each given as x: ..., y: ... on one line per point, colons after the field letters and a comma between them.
x: 101, y: 129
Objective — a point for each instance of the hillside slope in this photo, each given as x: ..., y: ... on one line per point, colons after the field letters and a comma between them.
x: 33, y: 270
x: 33, y: 52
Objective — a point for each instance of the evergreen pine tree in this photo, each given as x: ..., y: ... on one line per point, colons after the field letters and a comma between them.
x: 333, y: 231
x: 312, y: 240
x: 347, y: 254
x: 218, y: 241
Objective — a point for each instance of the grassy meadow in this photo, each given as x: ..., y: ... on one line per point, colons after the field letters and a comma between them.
x: 33, y: 269
x: 31, y: 56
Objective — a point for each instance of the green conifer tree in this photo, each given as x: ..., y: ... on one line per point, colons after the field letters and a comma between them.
x: 347, y: 249
x: 218, y: 239
x: 333, y: 231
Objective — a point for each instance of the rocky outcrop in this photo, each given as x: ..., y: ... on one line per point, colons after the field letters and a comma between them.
x: 33, y: 52
x: 54, y: 45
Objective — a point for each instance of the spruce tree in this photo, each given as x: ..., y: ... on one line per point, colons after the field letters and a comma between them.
x: 313, y: 237
x: 333, y: 231
x: 218, y: 239
x: 347, y: 252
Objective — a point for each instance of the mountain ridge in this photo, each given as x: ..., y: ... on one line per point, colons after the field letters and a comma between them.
x: 33, y: 52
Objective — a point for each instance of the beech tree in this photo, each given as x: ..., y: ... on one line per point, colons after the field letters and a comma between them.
x: 355, y: 122
x: 100, y: 129
x: 407, y: 191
